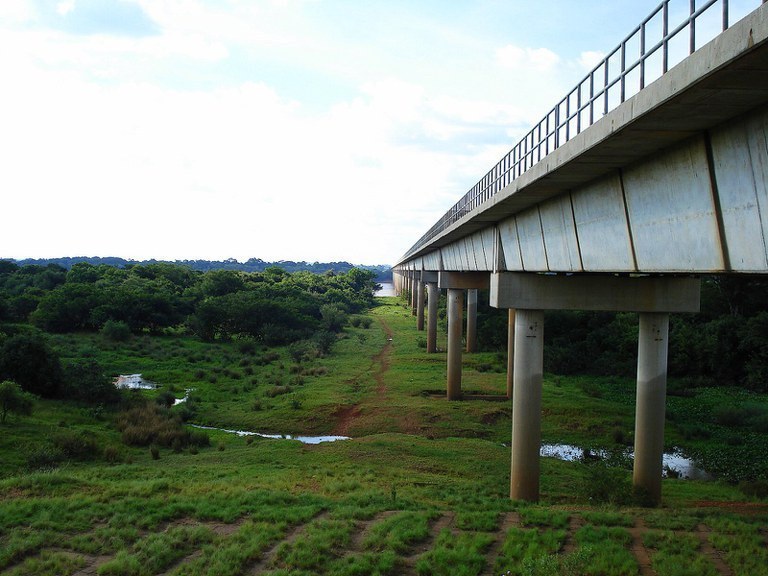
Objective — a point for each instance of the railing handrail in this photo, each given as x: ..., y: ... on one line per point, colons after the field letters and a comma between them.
x: 555, y: 129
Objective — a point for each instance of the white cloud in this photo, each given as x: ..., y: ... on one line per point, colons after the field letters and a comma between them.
x: 589, y: 59
x: 517, y: 58
x: 65, y: 7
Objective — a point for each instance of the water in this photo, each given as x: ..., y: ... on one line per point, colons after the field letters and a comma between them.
x: 134, y: 382
x: 387, y: 289
x: 302, y: 439
x: 673, y: 463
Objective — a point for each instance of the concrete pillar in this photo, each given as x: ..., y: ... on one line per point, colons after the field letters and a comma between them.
x: 651, y: 395
x: 414, y: 295
x: 472, y: 320
x: 455, y: 302
x: 432, y: 299
x: 510, y: 352
x: 419, y: 305
x: 526, y: 405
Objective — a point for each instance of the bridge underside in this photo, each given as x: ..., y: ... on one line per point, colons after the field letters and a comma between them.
x: 698, y: 207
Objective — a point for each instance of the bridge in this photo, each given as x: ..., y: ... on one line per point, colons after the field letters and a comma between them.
x: 643, y: 177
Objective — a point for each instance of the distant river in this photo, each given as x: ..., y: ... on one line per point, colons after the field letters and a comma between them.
x: 387, y: 289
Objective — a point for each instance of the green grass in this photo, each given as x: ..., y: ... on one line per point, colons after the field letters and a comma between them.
x: 524, y: 547
x: 455, y: 555
x: 414, y: 458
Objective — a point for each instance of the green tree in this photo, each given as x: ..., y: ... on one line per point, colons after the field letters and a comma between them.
x: 27, y: 359
x: 14, y: 399
x: 85, y: 380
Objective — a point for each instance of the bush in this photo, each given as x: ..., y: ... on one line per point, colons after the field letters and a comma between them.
x: 80, y: 445
x: 151, y: 424
x: 44, y: 458
x: 28, y: 360
x: 85, y: 380
x: 115, y: 331
x: 604, y: 484
x: 14, y: 399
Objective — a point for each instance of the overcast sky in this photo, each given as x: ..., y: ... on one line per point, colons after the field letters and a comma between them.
x: 318, y: 130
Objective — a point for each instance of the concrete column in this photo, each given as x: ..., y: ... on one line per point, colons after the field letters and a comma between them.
x: 526, y: 405
x: 510, y: 352
x: 472, y: 320
x: 455, y: 302
x: 651, y: 397
x: 419, y: 305
x: 433, y: 295
x: 414, y: 295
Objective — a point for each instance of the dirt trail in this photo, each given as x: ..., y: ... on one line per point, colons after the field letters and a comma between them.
x: 638, y: 549
x: 292, y: 536
x: 708, y: 550
x: 383, y: 360
x: 412, y: 556
x: 510, y: 519
x: 346, y: 415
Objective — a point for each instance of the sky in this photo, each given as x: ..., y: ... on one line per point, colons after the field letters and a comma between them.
x: 315, y: 130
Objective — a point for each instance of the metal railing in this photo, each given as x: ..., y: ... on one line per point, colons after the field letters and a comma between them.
x: 608, y: 85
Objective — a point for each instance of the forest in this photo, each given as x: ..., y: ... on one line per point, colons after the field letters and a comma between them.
x: 725, y: 344
x: 270, y: 308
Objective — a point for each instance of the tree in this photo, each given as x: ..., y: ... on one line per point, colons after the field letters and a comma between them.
x: 14, y: 399
x: 27, y: 359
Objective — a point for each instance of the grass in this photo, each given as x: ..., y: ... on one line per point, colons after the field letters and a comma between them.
x: 292, y: 509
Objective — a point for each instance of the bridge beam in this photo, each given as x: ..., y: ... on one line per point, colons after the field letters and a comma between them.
x: 456, y: 283
x: 653, y: 297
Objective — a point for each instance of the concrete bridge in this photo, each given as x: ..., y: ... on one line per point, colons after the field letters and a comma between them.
x: 617, y: 200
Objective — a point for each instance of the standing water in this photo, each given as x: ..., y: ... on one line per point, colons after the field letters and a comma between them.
x: 387, y: 289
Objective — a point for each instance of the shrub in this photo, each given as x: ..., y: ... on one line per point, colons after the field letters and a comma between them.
x: 45, y: 457
x: 115, y: 331
x: 111, y: 454
x: 14, y: 399
x: 365, y: 322
x: 604, y: 484
x: 80, y: 445
x: 85, y: 380
x: 150, y: 424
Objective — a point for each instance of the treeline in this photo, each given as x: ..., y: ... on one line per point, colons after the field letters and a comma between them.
x: 273, y: 307
x: 383, y: 271
x: 725, y: 344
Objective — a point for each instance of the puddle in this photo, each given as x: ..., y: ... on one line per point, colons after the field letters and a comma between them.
x: 182, y: 400
x: 134, y: 382
x: 674, y: 464
x: 302, y: 439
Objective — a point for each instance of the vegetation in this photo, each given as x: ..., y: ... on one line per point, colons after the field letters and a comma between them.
x: 129, y: 482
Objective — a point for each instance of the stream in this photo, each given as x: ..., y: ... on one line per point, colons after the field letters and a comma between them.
x: 675, y: 464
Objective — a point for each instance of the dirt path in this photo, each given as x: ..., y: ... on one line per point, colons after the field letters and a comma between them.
x: 708, y: 550
x: 345, y: 416
x: 268, y: 556
x: 638, y: 549
x: 383, y: 359
x: 510, y: 519
x: 412, y: 556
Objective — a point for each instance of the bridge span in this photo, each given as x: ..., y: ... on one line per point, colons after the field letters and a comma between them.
x: 617, y: 200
